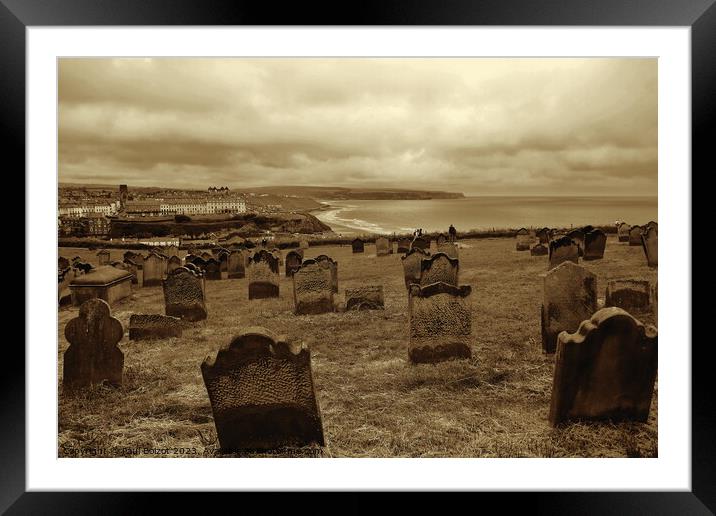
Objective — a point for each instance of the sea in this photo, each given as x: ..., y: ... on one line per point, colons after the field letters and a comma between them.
x: 354, y: 217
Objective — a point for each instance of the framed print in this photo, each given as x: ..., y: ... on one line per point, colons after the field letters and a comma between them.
x: 416, y: 253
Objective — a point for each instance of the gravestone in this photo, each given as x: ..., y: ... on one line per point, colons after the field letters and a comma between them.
x: 577, y: 235
x: 570, y: 297
x: 369, y: 297
x: 449, y: 249
x: 171, y: 250
x: 93, y: 356
x: 312, y: 289
x: 629, y: 295
x: 199, y: 273
x: 184, y: 294
x: 277, y: 253
x: 420, y: 243
x: 62, y: 263
x: 263, y: 275
x: 136, y: 272
x: 303, y: 244
x: 650, y: 244
x: 153, y: 326
x: 623, y: 230
x: 543, y: 235
x: 382, y: 246
x: 174, y: 262
x: 594, y: 244
x: 635, y: 235
x: 441, y: 239
x: 403, y: 245
x: 523, y: 240
x: 224, y: 263
x: 206, y: 256
x: 153, y: 270
x: 262, y: 395
x: 605, y: 370
x: 539, y: 250
x: 328, y: 263
x: 358, y: 245
x: 293, y: 261
x: 439, y: 268
x: 103, y: 257
x: 128, y: 255
x: 106, y: 282
x: 235, y: 265
x: 212, y: 269
x: 440, y: 320
x: 651, y: 224
x: 561, y: 250
x: 411, y: 265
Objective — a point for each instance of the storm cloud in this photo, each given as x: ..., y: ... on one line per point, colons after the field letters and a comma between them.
x: 479, y: 126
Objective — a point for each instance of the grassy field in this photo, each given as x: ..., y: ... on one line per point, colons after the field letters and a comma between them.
x: 373, y: 401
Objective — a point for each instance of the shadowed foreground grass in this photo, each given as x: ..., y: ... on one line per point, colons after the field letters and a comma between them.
x: 373, y: 401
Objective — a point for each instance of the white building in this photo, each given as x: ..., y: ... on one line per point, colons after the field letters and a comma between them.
x: 202, y: 207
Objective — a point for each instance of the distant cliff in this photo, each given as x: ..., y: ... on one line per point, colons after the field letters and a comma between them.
x: 338, y: 193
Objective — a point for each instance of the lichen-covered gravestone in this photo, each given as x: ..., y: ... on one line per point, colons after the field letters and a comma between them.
x: 449, y: 249
x: 261, y: 391
x: 369, y: 297
x: 411, y: 265
x: 93, y: 356
x: 635, y: 235
x: 650, y: 243
x: 570, y: 297
x: 103, y: 257
x: 153, y: 326
x: 184, y: 295
x: 263, y: 275
x: 382, y: 246
x: 523, y: 240
x: 439, y: 268
x: 629, y: 295
x: 623, y: 230
x: 312, y: 289
x: 440, y: 322
x: 174, y: 262
x: 605, y: 370
x: 561, y: 250
x: 293, y: 261
x: 539, y: 250
x: 595, y: 241
x: 328, y: 263
x: 358, y: 245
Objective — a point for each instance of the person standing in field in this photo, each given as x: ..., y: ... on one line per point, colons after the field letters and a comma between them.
x: 453, y: 233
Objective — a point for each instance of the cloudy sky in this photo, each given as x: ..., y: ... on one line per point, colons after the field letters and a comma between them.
x: 479, y: 126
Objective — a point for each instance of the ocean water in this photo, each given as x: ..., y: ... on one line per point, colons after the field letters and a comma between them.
x: 395, y: 216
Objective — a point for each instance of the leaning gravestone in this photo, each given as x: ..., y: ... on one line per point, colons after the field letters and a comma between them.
x: 93, y: 356
x: 358, y: 245
x: 650, y: 243
x: 153, y: 270
x: 382, y: 246
x: 312, y: 289
x: 439, y: 268
x: 539, y: 250
x: 440, y: 322
x: 561, y: 250
x: 605, y: 370
x: 403, y: 245
x: 263, y: 275
x: 174, y: 262
x: 328, y: 263
x: 570, y: 297
x: 623, y: 230
x: 235, y: 265
x: 293, y: 261
x: 184, y: 295
x: 369, y: 297
x: 103, y: 257
x: 629, y: 295
x: 635, y: 235
x: 261, y: 391
x: 594, y: 244
x: 449, y: 249
x: 411, y: 265
x: 153, y: 326
x: 523, y: 240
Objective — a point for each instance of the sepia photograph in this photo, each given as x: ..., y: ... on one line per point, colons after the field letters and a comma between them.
x: 353, y: 257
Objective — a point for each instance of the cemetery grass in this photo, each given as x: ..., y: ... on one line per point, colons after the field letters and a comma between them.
x: 374, y: 403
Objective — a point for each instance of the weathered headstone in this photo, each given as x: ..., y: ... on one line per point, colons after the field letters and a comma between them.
x: 184, y: 294
x: 153, y: 270
x: 594, y: 244
x: 440, y: 322
x: 293, y: 261
x: 629, y: 295
x: 411, y: 265
x: 174, y: 262
x: 382, y: 246
x: 262, y: 394
x: 562, y: 250
x: 635, y: 235
x: 128, y: 255
x: 106, y: 282
x: 623, y: 230
x: 523, y: 240
x: 93, y: 356
x: 235, y: 265
x: 420, y: 243
x: 539, y: 250
x: 577, y: 235
x: 103, y: 257
x: 212, y: 269
x: 570, y: 297
x: 171, y: 250
x: 369, y: 297
x: 153, y: 326
x: 328, y: 263
x: 650, y: 244
x: 263, y: 275
x: 312, y: 289
x: 449, y: 249
x: 439, y: 268
x: 441, y: 239
x: 651, y: 224
x: 358, y: 245
x: 605, y: 370
x: 136, y: 272
x: 403, y: 245
x: 206, y: 255
x: 544, y: 235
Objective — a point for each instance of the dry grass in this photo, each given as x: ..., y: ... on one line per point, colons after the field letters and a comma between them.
x: 374, y: 402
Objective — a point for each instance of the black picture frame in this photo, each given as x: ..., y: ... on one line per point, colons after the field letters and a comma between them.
x: 700, y: 15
